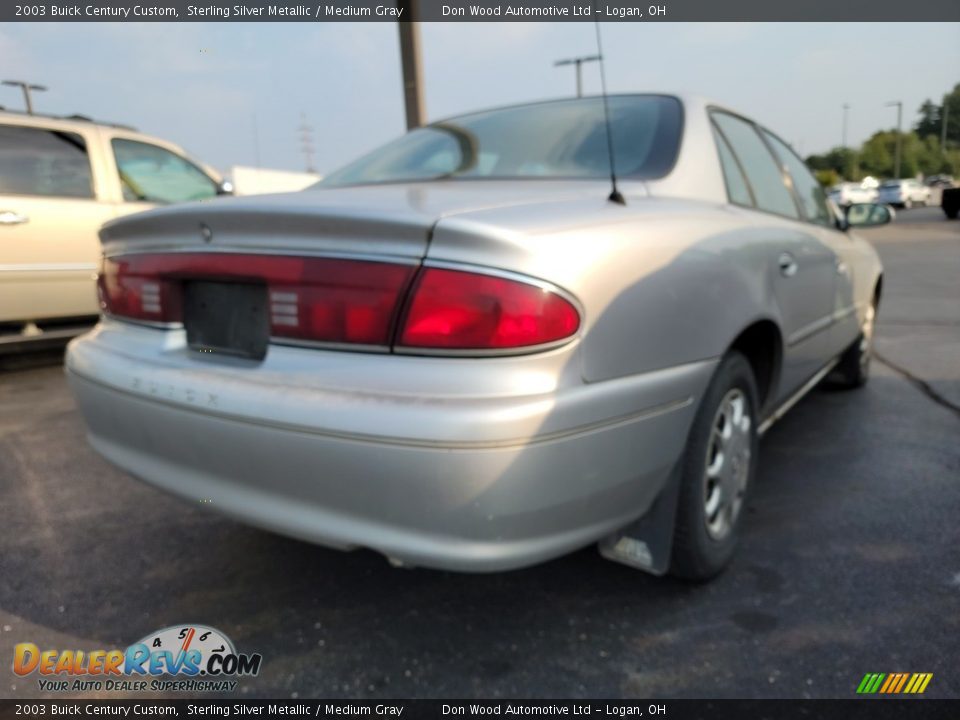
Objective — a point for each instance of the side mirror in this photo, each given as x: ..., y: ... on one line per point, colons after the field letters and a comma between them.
x: 225, y: 188
x: 868, y: 215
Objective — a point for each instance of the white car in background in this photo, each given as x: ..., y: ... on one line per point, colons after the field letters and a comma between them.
x: 848, y: 193
x: 61, y: 178
x: 904, y: 193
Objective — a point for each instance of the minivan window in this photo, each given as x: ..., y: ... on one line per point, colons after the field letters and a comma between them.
x: 810, y: 191
x: 37, y: 161
x: 149, y: 173
x: 762, y: 170
x: 560, y: 139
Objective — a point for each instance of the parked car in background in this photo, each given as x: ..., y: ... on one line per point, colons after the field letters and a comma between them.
x: 61, y: 178
x: 950, y: 202
x: 904, y: 193
x: 848, y: 193
x: 465, y: 352
x: 939, y: 181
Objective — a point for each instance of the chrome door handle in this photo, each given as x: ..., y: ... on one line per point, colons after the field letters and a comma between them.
x: 788, y: 265
x: 9, y: 217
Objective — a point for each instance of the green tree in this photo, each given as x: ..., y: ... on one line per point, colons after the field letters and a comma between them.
x: 930, y: 120
x: 842, y: 161
x: 827, y: 178
x: 931, y: 117
x: 876, y: 155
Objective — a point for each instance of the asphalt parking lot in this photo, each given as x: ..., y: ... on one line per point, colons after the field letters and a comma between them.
x: 850, y: 563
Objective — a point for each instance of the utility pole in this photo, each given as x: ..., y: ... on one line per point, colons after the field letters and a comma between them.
x: 26, y: 87
x: 578, y: 62
x: 412, y: 63
x: 845, y: 108
x: 306, y: 142
x: 896, y: 161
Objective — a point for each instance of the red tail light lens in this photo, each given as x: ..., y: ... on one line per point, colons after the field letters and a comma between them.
x: 350, y: 301
x: 129, y: 287
x: 456, y: 310
x: 317, y: 299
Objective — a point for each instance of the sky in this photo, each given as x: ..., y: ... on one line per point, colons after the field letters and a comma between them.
x: 235, y: 93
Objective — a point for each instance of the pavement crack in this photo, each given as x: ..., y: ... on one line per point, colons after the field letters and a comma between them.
x: 921, y: 384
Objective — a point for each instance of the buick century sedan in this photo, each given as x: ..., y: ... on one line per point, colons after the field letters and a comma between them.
x: 498, y: 339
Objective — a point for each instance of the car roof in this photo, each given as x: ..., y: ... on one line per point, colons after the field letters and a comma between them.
x: 75, y: 119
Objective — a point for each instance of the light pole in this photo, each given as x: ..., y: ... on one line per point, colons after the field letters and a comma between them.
x: 896, y: 160
x: 26, y: 87
x: 578, y: 61
x: 845, y: 108
x: 411, y: 63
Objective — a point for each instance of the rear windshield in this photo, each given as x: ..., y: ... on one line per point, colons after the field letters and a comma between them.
x: 563, y: 139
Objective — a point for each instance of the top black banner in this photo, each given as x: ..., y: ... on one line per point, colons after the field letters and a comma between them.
x: 481, y: 10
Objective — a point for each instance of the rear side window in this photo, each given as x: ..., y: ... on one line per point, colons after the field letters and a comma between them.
x: 737, y: 189
x: 762, y: 170
x: 149, y: 173
x: 50, y: 163
x: 811, y: 193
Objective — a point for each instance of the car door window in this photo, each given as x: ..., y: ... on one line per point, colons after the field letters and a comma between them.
x: 738, y: 191
x: 761, y: 169
x: 812, y: 199
x: 37, y: 161
x: 149, y: 173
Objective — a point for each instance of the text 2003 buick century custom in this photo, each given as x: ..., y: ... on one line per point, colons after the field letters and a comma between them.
x: 459, y: 352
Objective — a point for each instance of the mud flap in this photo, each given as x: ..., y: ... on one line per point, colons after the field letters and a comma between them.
x: 647, y: 542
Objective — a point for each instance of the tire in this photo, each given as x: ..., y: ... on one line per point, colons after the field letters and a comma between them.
x: 853, y: 370
x: 717, y: 469
x: 952, y: 213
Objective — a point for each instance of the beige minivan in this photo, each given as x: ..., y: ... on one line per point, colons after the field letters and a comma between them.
x: 60, y: 180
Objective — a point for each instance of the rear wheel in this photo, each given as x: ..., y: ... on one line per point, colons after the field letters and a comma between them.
x: 718, y: 466
x: 853, y: 370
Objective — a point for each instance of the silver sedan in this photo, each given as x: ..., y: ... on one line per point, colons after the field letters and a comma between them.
x: 498, y: 339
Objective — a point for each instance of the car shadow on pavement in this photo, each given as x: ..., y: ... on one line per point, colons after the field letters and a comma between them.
x: 843, y: 503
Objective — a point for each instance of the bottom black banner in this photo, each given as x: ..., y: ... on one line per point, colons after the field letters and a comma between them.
x: 860, y: 709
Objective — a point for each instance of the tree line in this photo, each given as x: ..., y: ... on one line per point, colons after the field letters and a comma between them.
x: 921, y: 149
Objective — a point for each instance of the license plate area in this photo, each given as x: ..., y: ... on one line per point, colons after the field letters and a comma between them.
x: 226, y: 317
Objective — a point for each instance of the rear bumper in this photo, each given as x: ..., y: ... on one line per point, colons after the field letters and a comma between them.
x: 462, y: 483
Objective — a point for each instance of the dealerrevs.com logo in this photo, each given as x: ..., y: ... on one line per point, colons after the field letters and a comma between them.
x: 185, y: 658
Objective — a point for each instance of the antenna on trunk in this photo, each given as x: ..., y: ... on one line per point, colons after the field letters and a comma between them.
x: 615, y: 195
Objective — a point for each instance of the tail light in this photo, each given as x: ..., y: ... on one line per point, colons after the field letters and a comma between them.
x: 317, y: 299
x: 456, y: 310
x: 358, y: 302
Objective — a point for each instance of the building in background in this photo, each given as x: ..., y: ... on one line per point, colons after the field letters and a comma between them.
x: 257, y: 181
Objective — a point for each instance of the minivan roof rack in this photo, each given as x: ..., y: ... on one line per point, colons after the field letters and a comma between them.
x: 76, y: 117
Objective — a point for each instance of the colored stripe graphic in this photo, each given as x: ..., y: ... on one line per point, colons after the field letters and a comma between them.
x: 894, y: 683
x: 903, y: 680
x: 891, y: 680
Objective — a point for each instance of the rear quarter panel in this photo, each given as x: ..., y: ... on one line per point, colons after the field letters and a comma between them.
x: 661, y: 282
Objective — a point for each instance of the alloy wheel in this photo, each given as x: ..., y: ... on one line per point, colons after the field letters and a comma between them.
x: 727, y: 465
